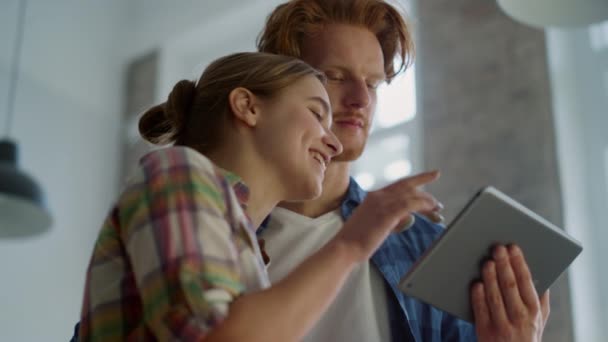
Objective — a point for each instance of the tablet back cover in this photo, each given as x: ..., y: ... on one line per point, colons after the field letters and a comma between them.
x: 443, y: 275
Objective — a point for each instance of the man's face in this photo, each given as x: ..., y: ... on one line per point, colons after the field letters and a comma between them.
x: 352, y: 60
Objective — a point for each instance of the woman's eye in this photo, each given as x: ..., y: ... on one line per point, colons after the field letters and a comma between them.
x: 315, y: 113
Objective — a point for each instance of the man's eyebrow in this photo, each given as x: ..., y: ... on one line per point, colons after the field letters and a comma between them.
x: 322, y: 102
x: 380, y: 77
x: 377, y: 76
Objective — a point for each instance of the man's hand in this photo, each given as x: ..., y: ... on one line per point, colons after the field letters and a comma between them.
x: 505, y: 304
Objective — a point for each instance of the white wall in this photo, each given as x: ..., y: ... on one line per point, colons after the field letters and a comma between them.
x: 67, y: 127
x: 579, y: 77
x: 186, y: 54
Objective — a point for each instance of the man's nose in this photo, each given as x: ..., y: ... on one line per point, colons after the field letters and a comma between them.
x: 358, y: 95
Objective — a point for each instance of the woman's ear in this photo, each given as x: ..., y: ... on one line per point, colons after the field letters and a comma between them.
x: 244, y: 107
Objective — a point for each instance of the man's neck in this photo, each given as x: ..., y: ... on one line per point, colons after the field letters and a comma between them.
x: 335, y: 186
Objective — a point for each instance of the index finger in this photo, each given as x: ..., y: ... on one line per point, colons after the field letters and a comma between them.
x: 416, y: 180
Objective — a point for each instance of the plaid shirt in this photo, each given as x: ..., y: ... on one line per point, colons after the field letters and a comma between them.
x: 173, y: 253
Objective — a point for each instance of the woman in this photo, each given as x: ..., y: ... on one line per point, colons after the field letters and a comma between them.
x: 177, y: 257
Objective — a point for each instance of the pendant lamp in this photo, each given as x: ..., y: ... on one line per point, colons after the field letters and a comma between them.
x: 22, y: 206
x: 556, y: 13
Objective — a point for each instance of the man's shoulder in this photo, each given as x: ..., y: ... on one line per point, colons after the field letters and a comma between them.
x: 425, y: 228
x: 416, y: 239
x: 354, y: 192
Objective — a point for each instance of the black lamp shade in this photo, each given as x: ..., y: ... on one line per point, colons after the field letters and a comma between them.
x: 22, y: 208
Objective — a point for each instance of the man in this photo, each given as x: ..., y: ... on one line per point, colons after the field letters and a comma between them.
x: 355, y: 43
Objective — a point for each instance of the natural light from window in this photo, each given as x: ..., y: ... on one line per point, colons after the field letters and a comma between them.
x: 387, y: 156
x: 598, y: 35
x: 396, y: 101
x: 606, y: 168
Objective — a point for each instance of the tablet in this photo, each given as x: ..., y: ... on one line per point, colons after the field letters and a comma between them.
x: 443, y: 275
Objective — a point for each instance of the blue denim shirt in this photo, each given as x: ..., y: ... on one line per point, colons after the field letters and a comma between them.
x: 410, y: 319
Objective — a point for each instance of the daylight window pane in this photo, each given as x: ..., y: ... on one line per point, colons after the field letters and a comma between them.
x: 397, y: 101
x: 395, y: 143
x: 606, y: 82
x: 397, y: 169
x: 385, y: 159
x: 599, y: 36
x: 606, y: 168
x: 366, y: 180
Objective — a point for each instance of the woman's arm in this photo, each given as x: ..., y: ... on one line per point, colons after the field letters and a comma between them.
x: 287, y: 310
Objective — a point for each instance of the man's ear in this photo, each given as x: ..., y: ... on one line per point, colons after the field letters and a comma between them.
x: 244, y: 106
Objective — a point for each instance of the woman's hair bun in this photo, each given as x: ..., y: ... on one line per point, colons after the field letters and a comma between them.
x: 162, y: 124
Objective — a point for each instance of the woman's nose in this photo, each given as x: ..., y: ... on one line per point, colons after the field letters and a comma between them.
x: 331, y: 141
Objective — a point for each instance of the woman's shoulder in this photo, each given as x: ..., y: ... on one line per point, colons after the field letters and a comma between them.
x: 184, y: 167
x: 175, y: 158
x: 177, y: 174
x: 174, y: 167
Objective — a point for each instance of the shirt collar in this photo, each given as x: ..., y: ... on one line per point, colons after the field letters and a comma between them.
x: 240, y: 188
x: 354, y: 196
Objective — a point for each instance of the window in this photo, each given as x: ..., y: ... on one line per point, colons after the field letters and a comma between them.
x: 598, y: 35
x: 390, y: 151
x: 606, y: 168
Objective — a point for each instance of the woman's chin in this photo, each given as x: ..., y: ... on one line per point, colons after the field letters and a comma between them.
x: 308, y: 192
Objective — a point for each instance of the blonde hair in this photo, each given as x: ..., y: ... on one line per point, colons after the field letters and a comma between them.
x: 290, y: 22
x: 193, y: 114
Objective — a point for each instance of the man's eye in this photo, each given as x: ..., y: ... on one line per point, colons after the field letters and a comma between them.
x: 373, y: 85
x: 334, y: 77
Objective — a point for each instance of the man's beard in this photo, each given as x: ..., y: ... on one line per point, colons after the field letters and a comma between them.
x: 353, y: 145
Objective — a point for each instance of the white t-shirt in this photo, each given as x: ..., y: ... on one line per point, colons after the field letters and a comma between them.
x: 359, y: 312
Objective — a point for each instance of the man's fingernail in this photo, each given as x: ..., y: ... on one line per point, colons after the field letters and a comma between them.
x: 439, y: 218
x: 406, y: 225
x: 500, y: 252
x: 514, y: 250
x: 435, y: 217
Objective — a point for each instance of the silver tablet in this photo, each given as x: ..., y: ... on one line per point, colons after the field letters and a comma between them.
x: 442, y: 277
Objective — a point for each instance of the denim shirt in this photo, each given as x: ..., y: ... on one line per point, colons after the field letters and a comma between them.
x: 410, y: 319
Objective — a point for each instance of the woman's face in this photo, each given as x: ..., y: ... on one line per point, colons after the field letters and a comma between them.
x: 294, y: 136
